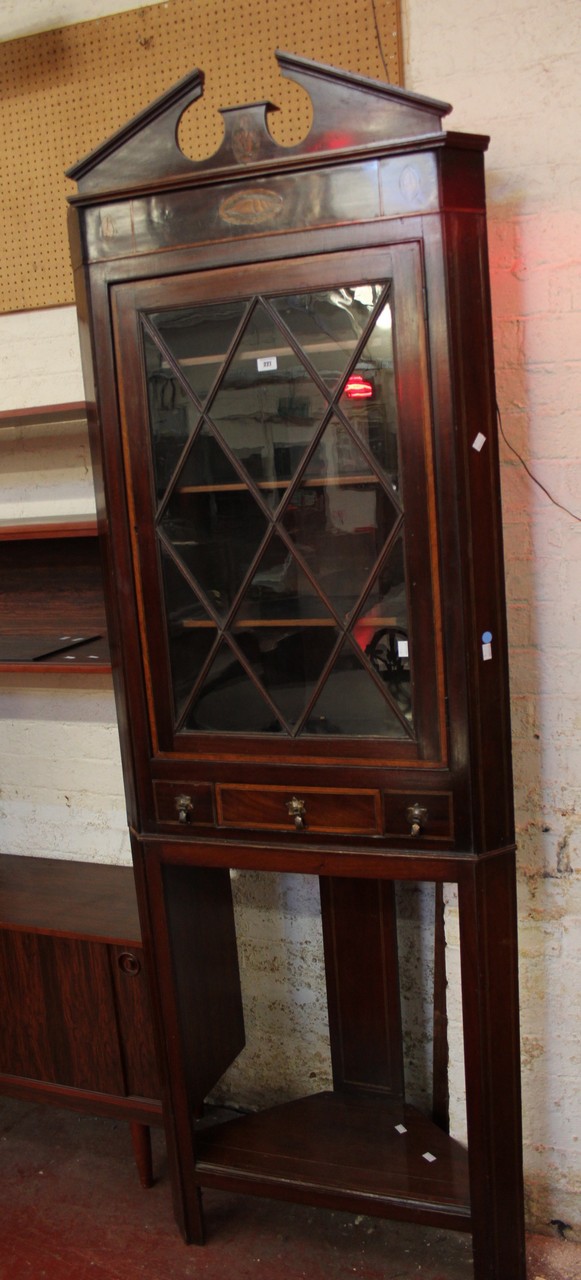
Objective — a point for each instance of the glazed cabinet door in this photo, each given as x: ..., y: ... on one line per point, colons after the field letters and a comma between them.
x: 277, y: 438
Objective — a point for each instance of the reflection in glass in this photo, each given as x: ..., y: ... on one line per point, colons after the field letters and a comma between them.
x: 329, y: 325
x: 340, y: 517
x: 213, y: 522
x: 191, y: 633
x: 267, y: 407
x: 382, y: 630
x: 172, y: 414
x: 280, y: 590
x: 229, y: 702
x: 368, y: 398
x: 350, y: 703
x: 288, y: 661
x: 198, y: 339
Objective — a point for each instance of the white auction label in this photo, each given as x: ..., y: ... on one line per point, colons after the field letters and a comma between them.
x: 403, y: 649
x: 264, y: 363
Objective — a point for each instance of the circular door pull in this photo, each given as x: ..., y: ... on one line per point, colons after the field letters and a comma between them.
x: 129, y: 963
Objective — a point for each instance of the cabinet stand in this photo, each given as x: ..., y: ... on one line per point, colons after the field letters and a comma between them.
x: 345, y: 1149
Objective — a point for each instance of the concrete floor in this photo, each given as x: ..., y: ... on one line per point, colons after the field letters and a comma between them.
x: 71, y: 1208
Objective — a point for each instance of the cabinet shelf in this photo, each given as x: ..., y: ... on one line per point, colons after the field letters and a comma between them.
x: 342, y: 1149
x: 310, y: 348
x: 240, y: 623
x: 190, y: 623
x: 314, y: 482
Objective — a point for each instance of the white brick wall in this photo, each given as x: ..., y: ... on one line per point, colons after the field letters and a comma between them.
x: 511, y: 69
x: 61, y: 786
x: 40, y: 359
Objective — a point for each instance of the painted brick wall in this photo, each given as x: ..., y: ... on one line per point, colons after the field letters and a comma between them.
x: 511, y: 69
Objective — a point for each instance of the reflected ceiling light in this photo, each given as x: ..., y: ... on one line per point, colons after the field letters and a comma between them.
x: 359, y: 388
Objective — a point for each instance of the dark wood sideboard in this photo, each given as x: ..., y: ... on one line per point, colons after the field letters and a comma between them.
x: 75, y: 1019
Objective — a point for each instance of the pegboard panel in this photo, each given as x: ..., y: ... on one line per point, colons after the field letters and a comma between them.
x: 65, y: 91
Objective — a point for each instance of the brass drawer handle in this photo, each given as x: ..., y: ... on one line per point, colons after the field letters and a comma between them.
x: 184, y: 807
x: 417, y: 817
x: 297, y: 809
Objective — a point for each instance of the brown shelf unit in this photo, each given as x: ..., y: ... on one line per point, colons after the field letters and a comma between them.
x: 53, y: 613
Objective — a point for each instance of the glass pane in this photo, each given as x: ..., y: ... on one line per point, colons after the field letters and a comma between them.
x: 199, y: 338
x: 329, y: 325
x: 339, y: 517
x: 191, y: 633
x: 369, y: 401
x: 213, y: 522
x: 267, y: 407
x: 261, y: 399
x: 280, y: 590
x: 382, y: 630
x: 173, y: 416
x: 288, y: 660
x: 350, y: 703
x: 228, y: 701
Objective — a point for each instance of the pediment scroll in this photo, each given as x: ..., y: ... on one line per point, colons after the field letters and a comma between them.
x: 351, y: 113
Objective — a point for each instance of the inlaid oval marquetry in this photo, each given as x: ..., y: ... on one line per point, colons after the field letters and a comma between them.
x: 410, y: 183
x: 246, y: 208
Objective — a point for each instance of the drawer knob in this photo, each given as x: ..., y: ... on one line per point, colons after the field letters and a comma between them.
x: 296, y: 809
x: 184, y: 808
x: 417, y: 818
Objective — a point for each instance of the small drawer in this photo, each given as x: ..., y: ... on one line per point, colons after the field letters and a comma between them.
x: 304, y: 809
x: 430, y: 811
x: 188, y: 804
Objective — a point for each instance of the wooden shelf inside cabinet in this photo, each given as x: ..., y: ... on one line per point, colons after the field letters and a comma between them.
x: 74, y: 1005
x: 311, y: 482
x: 53, y: 612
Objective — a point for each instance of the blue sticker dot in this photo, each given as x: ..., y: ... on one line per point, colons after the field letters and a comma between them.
x: 486, y: 637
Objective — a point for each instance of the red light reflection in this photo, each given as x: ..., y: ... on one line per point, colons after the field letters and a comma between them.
x: 358, y: 388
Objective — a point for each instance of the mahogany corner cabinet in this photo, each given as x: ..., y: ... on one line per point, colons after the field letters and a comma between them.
x: 288, y: 364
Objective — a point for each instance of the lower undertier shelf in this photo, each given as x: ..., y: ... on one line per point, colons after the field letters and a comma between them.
x: 363, y: 1153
